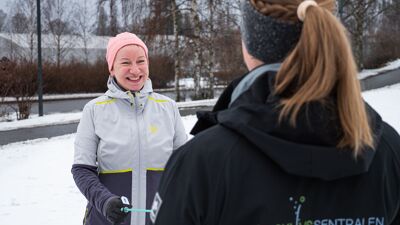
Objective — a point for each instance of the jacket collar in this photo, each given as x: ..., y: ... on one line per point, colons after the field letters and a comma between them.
x: 115, y: 91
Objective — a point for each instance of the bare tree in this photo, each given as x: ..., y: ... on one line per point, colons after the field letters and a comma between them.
x: 83, y: 17
x: 126, y: 14
x: 22, y: 22
x: 101, y: 23
x: 224, y: 37
x: 3, y: 17
x: 218, y: 20
x: 177, y: 50
x: 210, y: 48
x: 358, y: 16
x: 113, y: 18
x: 19, y: 81
x: 196, y: 42
x: 163, y: 14
x: 5, y: 87
x: 133, y: 14
x: 23, y: 88
x: 57, y: 17
x: 384, y: 37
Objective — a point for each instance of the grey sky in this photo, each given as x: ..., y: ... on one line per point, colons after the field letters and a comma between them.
x: 4, y: 4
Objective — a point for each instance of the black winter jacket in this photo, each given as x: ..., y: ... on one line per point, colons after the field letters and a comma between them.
x: 249, y: 169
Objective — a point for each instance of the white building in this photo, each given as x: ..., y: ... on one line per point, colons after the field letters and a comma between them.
x: 16, y: 46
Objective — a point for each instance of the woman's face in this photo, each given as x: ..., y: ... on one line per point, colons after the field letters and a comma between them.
x: 131, y: 67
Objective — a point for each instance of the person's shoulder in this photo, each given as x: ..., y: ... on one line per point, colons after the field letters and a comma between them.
x: 163, y: 102
x: 101, y: 100
x: 391, y: 140
x: 215, y: 140
x: 159, y: 98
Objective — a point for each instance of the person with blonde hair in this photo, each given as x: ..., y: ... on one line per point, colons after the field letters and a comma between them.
x: 293, y: 142
x: 124, y: 139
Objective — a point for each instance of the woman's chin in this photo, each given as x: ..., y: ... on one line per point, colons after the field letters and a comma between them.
x: 136, y: 87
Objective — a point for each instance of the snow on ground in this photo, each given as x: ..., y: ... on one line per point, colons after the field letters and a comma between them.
x: 36, y: 121
x: 372, y: 72
x: 37, y: 187
x: 386, y: 102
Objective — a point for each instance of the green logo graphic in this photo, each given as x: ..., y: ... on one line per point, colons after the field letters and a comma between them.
x: 297, y: 207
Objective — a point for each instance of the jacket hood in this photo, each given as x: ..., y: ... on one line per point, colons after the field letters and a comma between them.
x: 308, y: 149
x: 115, y: 91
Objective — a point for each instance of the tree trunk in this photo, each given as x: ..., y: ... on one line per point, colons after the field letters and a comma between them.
x: 58, y: 51
x: 113, y: 18
x: 210, y: 59
x: 31, y: 47
x: 177, y: 53
x: 359, y: 20
x: 197, y: 48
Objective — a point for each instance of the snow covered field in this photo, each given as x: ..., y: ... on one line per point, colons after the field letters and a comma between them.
x: 37, y: 187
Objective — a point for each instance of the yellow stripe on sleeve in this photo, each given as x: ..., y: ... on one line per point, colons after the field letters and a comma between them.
x: 155, y: 169
x: 116, y: 171
x: 106, y: 102
x: 157, y: 100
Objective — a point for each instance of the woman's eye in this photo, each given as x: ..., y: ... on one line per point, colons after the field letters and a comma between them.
x: 125, y: 63
x: 141, y: 61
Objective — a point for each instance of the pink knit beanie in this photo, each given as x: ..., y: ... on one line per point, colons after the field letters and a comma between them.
x: 119, y: 41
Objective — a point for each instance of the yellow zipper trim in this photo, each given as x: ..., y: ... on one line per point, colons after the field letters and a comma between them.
x: 116, y: 171
x: 155, y: 169
x: 106, y: 102
x: 157, y: 100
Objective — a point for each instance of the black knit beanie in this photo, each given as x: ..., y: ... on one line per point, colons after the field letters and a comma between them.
x: 266, y: 38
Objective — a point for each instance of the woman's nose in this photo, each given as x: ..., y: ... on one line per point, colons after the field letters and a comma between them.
x: 134, y: 69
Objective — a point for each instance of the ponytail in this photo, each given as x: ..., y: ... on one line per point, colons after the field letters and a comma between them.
x: 321, y: 63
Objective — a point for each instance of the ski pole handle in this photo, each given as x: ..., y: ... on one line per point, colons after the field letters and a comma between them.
x: 126, y: 210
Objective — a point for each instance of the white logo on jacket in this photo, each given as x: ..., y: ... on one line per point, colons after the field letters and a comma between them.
x: 155, y: 207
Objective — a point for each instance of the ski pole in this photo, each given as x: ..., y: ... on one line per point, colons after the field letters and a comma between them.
x: 126, y: 210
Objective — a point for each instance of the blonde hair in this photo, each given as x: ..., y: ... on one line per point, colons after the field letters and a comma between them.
x: 321, y: 64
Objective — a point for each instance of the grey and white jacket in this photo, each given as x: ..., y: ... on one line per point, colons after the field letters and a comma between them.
x: 122, y: 144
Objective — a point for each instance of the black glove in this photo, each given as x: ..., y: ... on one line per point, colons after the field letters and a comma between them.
x: 113, y: 211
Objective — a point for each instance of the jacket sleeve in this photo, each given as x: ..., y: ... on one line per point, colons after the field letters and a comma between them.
x: 86, y: 140
x: 180, y: 136
x: 88, y: 183
x: 84, y: 169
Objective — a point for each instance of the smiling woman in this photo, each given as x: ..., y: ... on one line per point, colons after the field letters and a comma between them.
x: 131, y: 68
x: 128, y: 61
x: 124, y: 138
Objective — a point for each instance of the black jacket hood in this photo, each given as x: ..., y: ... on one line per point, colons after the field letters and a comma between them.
x: 308, y: 149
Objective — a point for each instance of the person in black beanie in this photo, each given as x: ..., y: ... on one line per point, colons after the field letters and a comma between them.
x: 292, y: 142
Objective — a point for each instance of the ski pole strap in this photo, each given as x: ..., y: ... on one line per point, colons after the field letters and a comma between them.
x: 125, y: 200
x: 126, y: 210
